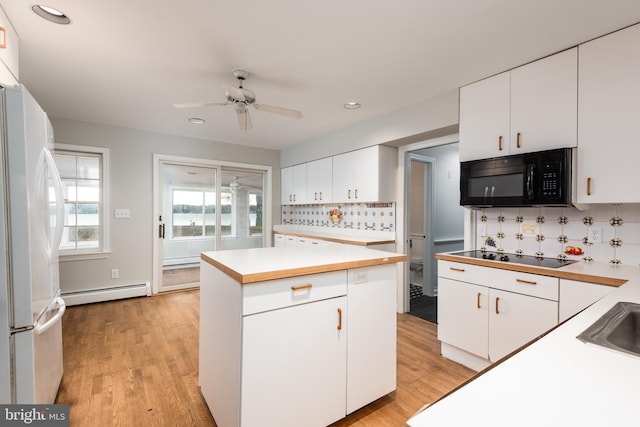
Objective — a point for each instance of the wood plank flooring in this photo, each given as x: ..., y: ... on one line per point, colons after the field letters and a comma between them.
x: 134, y: 362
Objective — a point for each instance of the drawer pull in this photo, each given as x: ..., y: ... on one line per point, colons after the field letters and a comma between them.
x: 526, y: 282
x: 457, y: 269
x: 497, y: 308
x: 589, y: 186
x: 518, y: 140
x: 339, y: 319
x: 500, y: 143
x: 478, y: 304
x: 301, y: 287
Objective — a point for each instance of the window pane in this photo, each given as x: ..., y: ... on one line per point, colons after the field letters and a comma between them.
x: 88, y: 191
x: 69, y: 238
x: 226, y: 226
x: 255, y: 214
x: 88, y: 167
x: 87, y: 214
x: 70, y: 210
x: 66, y: 165
x: 69, y: 190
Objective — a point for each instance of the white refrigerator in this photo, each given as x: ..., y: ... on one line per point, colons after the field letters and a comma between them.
x: 31, y: 222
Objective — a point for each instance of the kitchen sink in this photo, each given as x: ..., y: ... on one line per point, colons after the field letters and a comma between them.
x: 618, y: 329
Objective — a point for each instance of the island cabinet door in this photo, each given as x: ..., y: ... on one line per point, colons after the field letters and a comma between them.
x: 371, y: 356
x: 294, y: 365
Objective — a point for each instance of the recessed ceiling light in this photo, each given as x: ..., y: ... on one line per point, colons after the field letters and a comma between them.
x: 196, y: 120
x: 51, y: 14
x: 352, y: 105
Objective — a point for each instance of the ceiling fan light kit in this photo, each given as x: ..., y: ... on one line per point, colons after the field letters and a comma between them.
x: 242, y: 98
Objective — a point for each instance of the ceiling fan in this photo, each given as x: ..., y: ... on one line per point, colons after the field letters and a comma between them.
x: 242, y: 98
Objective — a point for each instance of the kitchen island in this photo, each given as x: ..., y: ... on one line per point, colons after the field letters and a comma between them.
x: 294, y: 336
x: 557, y: 379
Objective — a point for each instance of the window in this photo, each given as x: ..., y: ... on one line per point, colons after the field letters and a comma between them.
x: 194, y: 214
x: 82, y: 171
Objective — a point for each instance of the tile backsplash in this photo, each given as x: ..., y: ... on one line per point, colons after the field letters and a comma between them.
x: 549, y: 231
x: 355, y: 216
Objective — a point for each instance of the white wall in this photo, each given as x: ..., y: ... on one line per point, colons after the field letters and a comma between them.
x: 435, y: 113
x: 131, y: 159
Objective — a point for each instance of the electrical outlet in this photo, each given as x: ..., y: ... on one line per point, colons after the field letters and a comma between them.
x: 115, y: 273
x: 595, y: 235
x: 361, y: 276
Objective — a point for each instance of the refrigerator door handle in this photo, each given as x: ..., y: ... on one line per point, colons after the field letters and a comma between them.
x: 40, y: 326
x: 59, y: 229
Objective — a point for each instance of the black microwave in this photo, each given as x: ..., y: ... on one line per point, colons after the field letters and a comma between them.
x: 531, y: 179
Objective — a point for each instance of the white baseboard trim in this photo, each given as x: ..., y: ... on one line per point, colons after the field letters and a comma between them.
x: 109, y: 294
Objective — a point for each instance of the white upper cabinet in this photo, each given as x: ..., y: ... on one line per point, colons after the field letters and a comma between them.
x: 293, y: 188
x: 319, y: 180
x: 609, y: 124
x: 530, y: 108
x: 9, y: 53
x: 484, y: 118
x: 365, y: 175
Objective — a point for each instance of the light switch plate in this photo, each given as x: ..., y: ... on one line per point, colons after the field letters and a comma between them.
x: 122, y: 213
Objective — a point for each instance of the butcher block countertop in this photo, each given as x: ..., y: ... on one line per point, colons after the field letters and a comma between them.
x: 592, y: 272
x: 338, y: 235
x: 261, y: 264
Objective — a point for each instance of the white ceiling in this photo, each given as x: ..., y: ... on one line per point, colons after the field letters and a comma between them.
x: 125, y: 63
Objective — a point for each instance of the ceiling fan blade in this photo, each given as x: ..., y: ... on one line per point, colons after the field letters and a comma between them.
x: 244, y: 119
x: 199, y: 104
x: 236, y: 93
x: 278, y: 110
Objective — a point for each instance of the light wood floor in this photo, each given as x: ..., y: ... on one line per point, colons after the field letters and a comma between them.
x: 135, y: 363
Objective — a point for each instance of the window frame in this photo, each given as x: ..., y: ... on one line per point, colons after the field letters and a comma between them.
x: 104, y: 247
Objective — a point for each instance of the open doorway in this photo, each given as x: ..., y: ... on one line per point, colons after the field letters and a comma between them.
x: 202, y: 206
x: 434, y: 221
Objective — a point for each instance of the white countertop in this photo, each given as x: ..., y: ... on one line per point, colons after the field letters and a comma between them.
x: 260, y: 264
x: 556, y: 381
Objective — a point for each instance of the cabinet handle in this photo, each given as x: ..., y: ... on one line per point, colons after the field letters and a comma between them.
x: 3, y: 38
x: 290, y: 198
x: 457, y: 269
x: 349, y: 194
x: 356, y: 193
x: 294, y: 197
x: 500, y: 143
x: 479, y: 300
x: 518, y: 140
x: 497, y: 308
x: 315, y: 196
x: 589, y: 186
x: 526, y: 282
x: 321, y: 195
x: 298, y: 288
x: 339, y: 319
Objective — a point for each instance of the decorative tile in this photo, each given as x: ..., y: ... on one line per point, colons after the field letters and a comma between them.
x: 587, y: 220
x: 562, y: 220
x: 615, y: 242
x: 519, y: 219
x: 519, y: 236
x: 483, y: 218
x: 563, y: 238
x: 500, y: 218
x: 615, y: 261
x: 540, y: 220
x: 540, y: 237
x: 616, y: 221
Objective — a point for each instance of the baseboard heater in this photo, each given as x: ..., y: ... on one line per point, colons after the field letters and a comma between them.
x: 107, y: 294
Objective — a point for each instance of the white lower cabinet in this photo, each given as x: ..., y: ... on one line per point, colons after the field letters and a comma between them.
x: 485, y: 313
x: 293, y: 365
x: 576, y: 296
x: 300, y: 351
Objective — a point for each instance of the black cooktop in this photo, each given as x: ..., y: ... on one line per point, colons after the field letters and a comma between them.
x: 515, y: 258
